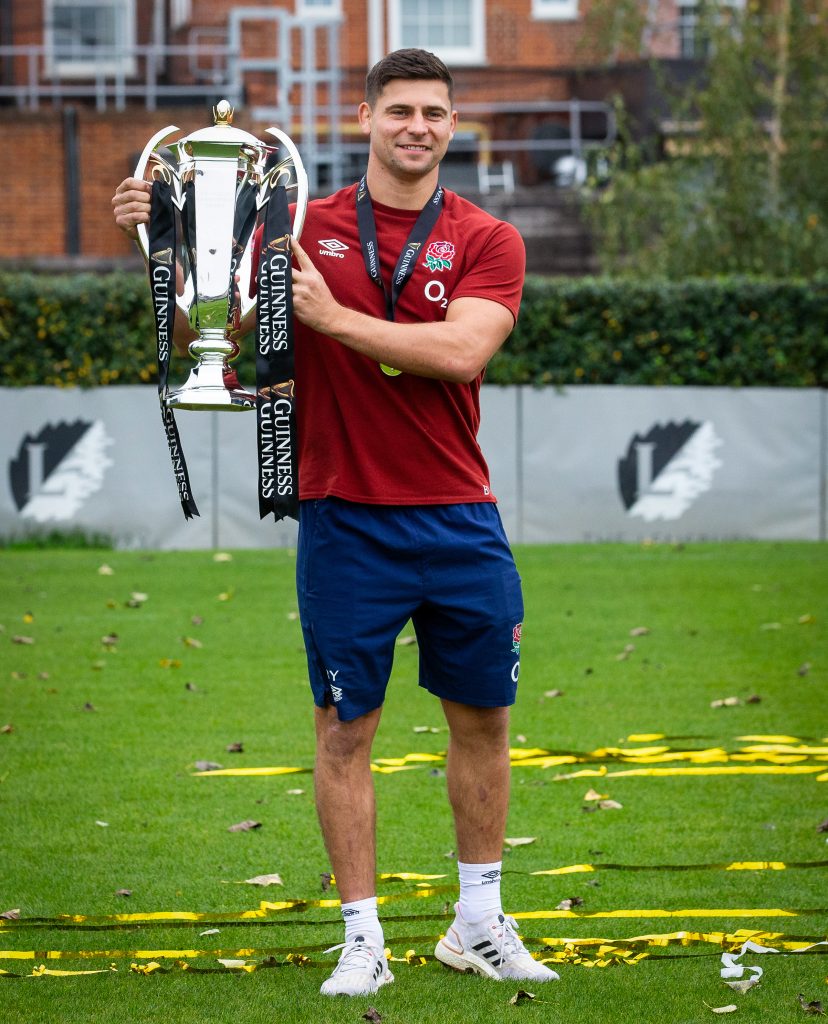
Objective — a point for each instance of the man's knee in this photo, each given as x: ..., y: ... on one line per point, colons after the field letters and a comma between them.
x: 344, y: 742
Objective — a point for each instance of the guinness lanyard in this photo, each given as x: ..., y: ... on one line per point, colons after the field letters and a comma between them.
x: 407, y: 261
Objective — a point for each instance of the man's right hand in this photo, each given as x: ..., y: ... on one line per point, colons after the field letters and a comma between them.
x: 131, y: 205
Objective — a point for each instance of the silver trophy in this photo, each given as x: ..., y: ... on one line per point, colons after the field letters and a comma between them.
x: 209, y: 172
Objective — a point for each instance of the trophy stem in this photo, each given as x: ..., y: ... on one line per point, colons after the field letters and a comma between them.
x: 212, y: 384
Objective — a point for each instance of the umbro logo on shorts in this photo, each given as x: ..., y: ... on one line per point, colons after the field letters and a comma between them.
x: 332, y: 247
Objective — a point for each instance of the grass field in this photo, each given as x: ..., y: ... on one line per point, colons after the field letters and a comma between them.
x: 121, y: 670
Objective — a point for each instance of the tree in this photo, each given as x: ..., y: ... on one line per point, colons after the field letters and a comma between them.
x: 741, y: 183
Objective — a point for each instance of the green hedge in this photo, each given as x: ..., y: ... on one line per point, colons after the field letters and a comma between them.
x: 87, y: 330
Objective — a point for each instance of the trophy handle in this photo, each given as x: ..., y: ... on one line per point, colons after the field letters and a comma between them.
x: 164, y: 168
x: 300, y: 185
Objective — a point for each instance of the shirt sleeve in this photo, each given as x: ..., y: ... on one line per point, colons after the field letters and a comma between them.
x: 497, y: 270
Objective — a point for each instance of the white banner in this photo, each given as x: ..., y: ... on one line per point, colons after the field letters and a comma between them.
x: 583, y: 464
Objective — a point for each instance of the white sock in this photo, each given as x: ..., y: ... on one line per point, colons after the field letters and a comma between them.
x: 479, y: 891
x: 361, y: 918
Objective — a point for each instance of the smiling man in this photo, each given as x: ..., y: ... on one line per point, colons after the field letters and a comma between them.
x: 403, y: 291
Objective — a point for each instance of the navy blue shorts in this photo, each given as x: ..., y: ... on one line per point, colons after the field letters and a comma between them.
x: 364, y: 570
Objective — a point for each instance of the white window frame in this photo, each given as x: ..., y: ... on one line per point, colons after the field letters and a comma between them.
x: 555, y: 10
x: 327, y: 11
x: 123, y: 64
x: 453, y: 56
x: 738, y: 5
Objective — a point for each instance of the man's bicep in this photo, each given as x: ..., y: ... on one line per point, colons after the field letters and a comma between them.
x: 485, y: 322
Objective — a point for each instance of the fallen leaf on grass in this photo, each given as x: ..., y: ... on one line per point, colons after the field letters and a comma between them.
x: 553, y: 693
x: 726, y: 702
x: 771, y: 625
x: 197, y: 620
x: 325, y: 878
x: 191, y: 686
x: 807, y: 619
x: 102, y: 824
x: 524, y: 841
x: 521, y: 996
x: 609, y: 805
x: 208, y: 766
x: 106, y: 570
x: 568, y: 904
x: 11, y: 915
x: 225, y: 595
x: 5, y: 729
x: 823, y: 826
x: 222, y: 556
x: 264, y: 879
x: 245, y: 826
x: 235, y: 748
x: 813, y: 1007
x: 804, y: 668
x: 89, y: 707
x: 109, y: 640
x: 425, y: 728
x: 22, y: 639
x: 592, y: 794
x: 754, y: 698
x: 295, y: 792
x: 373, y: 1015
x: 639, y: 631
x: 123, y: 892
x: 208, y: 931
x: 169, y: 663
x: 233, y: 964
x: 190, y: 641
x: 730, y: 1008
x: 406, y: 641
x: 136, y: 599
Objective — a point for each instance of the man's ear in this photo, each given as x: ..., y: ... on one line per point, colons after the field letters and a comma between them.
x: 364, y: 118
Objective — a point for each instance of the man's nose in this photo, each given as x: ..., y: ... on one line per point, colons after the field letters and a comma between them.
x: 417, y: 124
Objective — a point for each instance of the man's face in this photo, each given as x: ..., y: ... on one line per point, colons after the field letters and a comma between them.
x: 410, y: 125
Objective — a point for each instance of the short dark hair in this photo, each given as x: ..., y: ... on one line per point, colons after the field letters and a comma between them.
x: 407, y: 64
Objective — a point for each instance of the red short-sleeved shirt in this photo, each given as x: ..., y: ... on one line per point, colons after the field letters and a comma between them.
x: 365, y: 436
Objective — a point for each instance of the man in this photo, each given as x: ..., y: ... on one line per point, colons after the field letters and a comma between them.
x: 397, y: 518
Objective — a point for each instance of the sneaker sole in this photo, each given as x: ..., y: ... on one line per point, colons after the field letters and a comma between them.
x: 466, y: 962
x: 386, y: 979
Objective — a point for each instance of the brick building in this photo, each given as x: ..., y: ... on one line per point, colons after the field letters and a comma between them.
x: 84, y: 84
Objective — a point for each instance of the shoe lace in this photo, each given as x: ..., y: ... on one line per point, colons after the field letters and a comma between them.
x: 356, y: 955
x: 510, y: 943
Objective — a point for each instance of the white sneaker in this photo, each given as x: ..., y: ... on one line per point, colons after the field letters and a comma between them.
x: 491, y: 948
x: 362, y: 968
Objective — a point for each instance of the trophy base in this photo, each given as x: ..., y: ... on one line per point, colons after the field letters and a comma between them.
x: 220, y: 392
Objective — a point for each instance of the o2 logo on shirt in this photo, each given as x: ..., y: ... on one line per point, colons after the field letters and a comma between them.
x: 435, y: 291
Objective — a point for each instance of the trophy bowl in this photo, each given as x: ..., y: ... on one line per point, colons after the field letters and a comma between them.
x: 221, y: 179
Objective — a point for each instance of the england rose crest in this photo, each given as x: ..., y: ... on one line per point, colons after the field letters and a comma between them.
x: 439, y: 256
x: 516, y: 637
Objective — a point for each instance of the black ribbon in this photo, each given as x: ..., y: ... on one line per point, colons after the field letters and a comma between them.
x: 407, y: 261
x: 275, y: 384
x: 162, y: 273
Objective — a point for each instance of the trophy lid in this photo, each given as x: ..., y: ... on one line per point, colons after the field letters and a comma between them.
x: 222, y: 130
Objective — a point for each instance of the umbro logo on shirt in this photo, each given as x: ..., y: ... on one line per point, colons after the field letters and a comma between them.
x: 332, y: 247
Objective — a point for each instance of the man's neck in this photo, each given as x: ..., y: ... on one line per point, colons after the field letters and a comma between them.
x: 401, y: 194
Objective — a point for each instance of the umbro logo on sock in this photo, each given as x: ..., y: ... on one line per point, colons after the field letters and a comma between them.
x: 490, y: 876
x: 350, y: 913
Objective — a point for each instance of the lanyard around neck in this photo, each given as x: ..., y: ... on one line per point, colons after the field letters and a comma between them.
x: 408, y: 257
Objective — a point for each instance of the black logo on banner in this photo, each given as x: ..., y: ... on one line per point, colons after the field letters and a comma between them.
x: 667, y: 469
x: 58, y: 469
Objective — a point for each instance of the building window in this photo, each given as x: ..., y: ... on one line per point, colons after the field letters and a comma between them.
x: 555, y: 10
x: 453, y: 29
x: 319, y: 8
x: 695, y: 20
x: 84, y: 38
